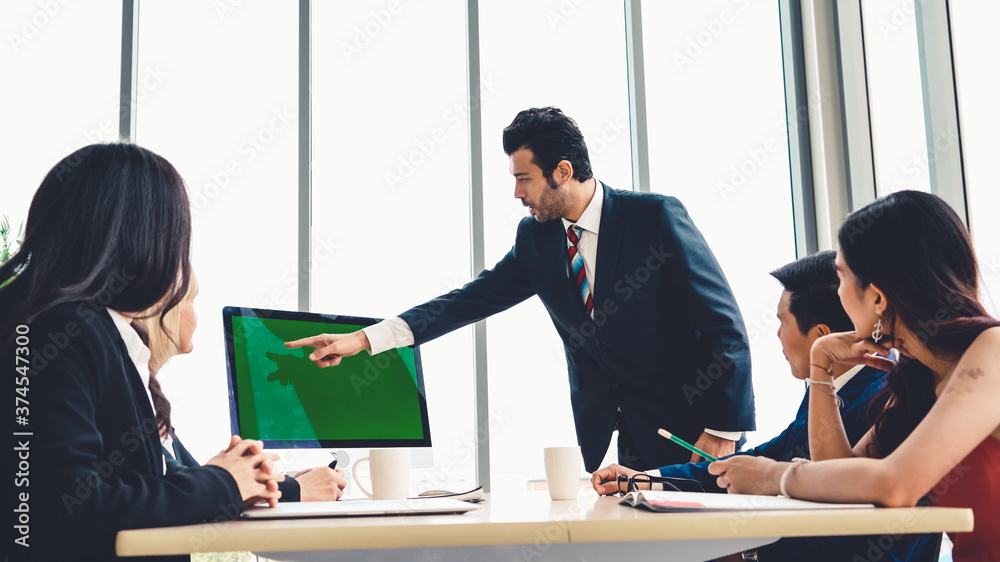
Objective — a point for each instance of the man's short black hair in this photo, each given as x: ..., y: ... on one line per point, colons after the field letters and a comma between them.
x: 552, y: 137
x: 812, y: 282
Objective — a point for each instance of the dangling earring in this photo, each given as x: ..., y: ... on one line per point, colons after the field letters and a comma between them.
x: 877, y: 334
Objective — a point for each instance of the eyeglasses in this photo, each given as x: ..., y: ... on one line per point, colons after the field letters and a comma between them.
x: 628, y: 484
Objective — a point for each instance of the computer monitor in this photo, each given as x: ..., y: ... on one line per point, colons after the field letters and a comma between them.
x: 277, y: 395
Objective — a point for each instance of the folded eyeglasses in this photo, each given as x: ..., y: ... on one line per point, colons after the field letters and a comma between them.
x: 643, y: 481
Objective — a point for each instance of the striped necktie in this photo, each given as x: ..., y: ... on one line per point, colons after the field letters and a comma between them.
x: 579, y: 272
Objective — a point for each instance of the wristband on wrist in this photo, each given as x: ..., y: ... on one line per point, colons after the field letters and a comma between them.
x: 827, y: 370
x: 784, y: 476
x: 831, y: 392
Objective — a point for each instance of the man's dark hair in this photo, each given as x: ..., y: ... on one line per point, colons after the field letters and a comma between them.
x: 812, y: 282
x: 552, y: 137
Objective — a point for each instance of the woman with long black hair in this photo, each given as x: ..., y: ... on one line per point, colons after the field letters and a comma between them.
x: 909, y: 280
x: 108, y: 236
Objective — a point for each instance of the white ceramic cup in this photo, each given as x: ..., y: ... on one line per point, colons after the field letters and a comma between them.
x: 390, y: 474
x: 562, y: 472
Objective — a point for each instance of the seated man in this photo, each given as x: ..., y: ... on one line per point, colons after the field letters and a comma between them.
x: 808, y: 309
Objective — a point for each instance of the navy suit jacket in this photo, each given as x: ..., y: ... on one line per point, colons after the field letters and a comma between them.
x: 666, y: 346
x: 96, y: 463
x: 857, y: 396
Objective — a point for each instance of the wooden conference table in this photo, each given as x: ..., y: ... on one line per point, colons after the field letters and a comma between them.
x: 528, y: 526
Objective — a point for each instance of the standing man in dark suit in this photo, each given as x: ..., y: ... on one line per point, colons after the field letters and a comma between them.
x: 652, y: 333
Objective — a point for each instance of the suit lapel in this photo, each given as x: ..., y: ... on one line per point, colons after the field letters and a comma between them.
x: 608, y: 245
x: 154, y: 447
x: 140, y: 400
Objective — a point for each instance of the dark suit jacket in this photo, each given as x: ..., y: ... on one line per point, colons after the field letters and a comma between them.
x: 857, y: 396
x: 180, y: 458
x: 95, y: 453
x: 667, y: 345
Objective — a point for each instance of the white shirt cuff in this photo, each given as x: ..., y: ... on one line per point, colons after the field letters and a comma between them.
x: 730, y: 435
x: 655, y: 472
x: 388, y: 334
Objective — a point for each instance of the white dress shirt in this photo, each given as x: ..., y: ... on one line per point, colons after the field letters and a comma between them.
x: 394, y: 332
x: 138, y: 353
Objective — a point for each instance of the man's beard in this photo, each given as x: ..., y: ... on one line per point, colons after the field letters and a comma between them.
x: 552, y: 204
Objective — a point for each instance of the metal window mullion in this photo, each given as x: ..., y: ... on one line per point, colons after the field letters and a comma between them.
x: 637, y: 95
x: 797, y: 123
x: 854, y: 105
x: 937, y: 80
x: 477, y: 239
x: 129, y: 70
x: 826, y: 132
x: 305, y: 156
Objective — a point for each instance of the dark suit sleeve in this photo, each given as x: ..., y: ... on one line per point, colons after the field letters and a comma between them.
x: 290, y: 489
x: 91, y: 484
x: 780, y: 448
x: 698, y: 471
x: 710, y: 308
x: 694, y: 471
x: 494, y: 290
x: 856, y: 415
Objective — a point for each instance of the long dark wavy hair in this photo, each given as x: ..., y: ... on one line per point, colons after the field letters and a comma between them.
x: 110, y: 225
x: 914, y: 248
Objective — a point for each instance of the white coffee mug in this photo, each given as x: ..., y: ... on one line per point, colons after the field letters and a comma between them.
x: 562, y: 472
x: 390, y: 474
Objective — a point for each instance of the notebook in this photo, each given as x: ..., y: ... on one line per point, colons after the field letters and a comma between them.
x: 359, y: 508
x: 703, y: 501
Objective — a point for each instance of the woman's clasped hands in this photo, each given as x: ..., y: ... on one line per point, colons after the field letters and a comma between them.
x: 253, y: 470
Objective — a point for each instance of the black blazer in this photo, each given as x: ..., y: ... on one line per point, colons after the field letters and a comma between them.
x: 667, y: 345
x: 96, y: 457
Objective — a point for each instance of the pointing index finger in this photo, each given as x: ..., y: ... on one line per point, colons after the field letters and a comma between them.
x: 304, y: 342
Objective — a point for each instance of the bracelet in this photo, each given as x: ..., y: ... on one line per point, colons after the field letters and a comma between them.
x: 784, y: 476
x: 831, y: 392
x: 827, y: 370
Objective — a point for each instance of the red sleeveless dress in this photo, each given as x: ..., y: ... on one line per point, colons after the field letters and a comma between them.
x: 975, y: 483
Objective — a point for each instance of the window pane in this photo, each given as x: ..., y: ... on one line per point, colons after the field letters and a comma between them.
x: 976, y: 55
x: 224, y: 112
x: 533, y: 56
x: 895, y: 98
x: 391, y: 191
x: 61, y: 76
x: 718, y: 142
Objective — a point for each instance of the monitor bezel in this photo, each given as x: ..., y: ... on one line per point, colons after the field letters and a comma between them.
x: 229, y: 312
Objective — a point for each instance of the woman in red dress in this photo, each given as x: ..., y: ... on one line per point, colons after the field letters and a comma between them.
x: 909, y: 281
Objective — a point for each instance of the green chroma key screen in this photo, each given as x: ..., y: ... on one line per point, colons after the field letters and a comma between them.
x: 279, y: 396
